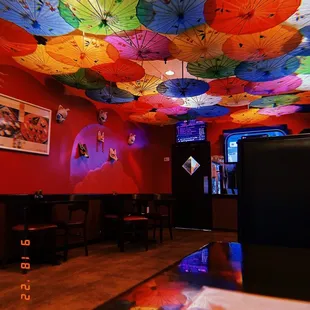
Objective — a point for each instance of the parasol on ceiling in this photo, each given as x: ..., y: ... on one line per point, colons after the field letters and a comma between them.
x: 41, y: 62
x: 136, y: 107
x: 102, y: 17
x: 274, y: 101
x: 110, y: 94
x: 301, y: 16
x: 238, y: 100
x: 176, y: 110
x: 304, y: 67
x: 152, y: 118
x: 267, y: 44
x: 170, y: 17
x: 145, y: 86
x: 37, y: 17
x: 227, y: 86
x: 305, y: 84
x: 279, y: 111
x: 203, y: 100
x: 82, y: 79
x: 81, y: 51
x: 141, y: 45
x: 200, y: 42
x: 122, y: 70
x: 181, y: 88
x: 248, y: 116
x: 15, y: 41
x: 244, y: 16
x: 211, y: 111
x: 217, y: 67
x: 267, y: 70
x: 159, y: 101
x: 283, y: 85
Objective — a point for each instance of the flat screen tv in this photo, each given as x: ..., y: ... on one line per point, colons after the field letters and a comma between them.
x: 231, y: 138
x: 190, y: 131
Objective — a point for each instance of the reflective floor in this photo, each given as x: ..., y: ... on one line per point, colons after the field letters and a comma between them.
x: 217, y: 277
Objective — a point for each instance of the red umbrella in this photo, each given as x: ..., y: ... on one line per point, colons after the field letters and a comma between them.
x: 135, y: 107
x: 227, y: 86
x: 159, y: 101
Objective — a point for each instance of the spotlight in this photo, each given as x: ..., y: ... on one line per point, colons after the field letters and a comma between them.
x: 169, y: 72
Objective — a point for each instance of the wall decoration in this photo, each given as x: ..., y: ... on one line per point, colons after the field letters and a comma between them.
x: 131, y: 139
x: 83, y: 150
x: 102, y: 117
x: 62, y: 114
x: 100, y: 140
x: 23, y: 126
x: 113, y: 155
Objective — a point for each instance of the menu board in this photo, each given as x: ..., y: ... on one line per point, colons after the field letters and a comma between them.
x: 190, y: 131
x: 24, y: 126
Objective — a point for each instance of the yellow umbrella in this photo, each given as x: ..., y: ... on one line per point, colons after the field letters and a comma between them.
x: 238, y: 100
x: 81, y: 51
x: 197, y: 43
x: 145, y: 86
x: 41, y: 62
x: 248, y: 116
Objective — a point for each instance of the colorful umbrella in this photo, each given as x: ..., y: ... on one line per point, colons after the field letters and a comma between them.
x: 122, y: 70
x: 227, y: 86
x: 274, y: 101
x: 303, y: 49
x: 110, y: 94
x: 217, y: 67
x: 244, y: 16
x: 238, y: 100
x: 203, y: 100
x: 303, y: 98
x: 145, y: 86
x: 170, y: 17
x: 15, y: 41
x: 267, y: 44
x: 305, y: 85
x: 283, y: 85
x: 136, y: 107
x: 176, y: 110
x: 301, y: 16
x: 248, y: 116
x: 37, y: 17
x: 102, y: 17
x: 81, y: 51
x: 304, y: 67
x: 159, y: 101
x: 151, y: 118
x: 305, y: 31
x: 279, y: 111
x: 182, y: 88
x: 267, y: 70
x: 212, y: 111
x: 41, y: 62
x: 82, y: 79
x: 141, y: 45
x: 200, y: 42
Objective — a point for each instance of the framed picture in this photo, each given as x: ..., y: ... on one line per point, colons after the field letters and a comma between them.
x: 24, y: 127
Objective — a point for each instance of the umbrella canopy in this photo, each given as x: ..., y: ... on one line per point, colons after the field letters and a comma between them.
x: 37, y: 17
x: 217, y: 67
x: 267, y: 70
x: 238, y: 100
x: 274, y: 101
x: 248, y: 116
x: 141, y: 45
x: 110, y: 94
x: 145, y: 86
x: 40, y: 61
x: 81, y: 51
x: 82, y: 79
x: 200, y: 42
x: 102, y: 17
x: 303, y: 98
x: 170, y: 17
x: 227, y: 86
x: 176, y: 110
x: 305, y: 84
x: 137, y: 107
x: 243, y: 16
x: 151, y: 118
x: 279, y: 111
x: 303, y: 49
x: 211, y: 111
x: 283, y: 85
x: 122, y: 70
x: 159, y: 101
x: 181, y: 88
x: 267, y: 44
x: 203, y: 100
x: 301, y: 16
x: 304, y: 67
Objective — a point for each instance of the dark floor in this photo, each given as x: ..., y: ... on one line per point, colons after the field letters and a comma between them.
x: 84, y: 283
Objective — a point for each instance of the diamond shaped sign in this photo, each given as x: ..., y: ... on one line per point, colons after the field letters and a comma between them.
x: 191, y: 165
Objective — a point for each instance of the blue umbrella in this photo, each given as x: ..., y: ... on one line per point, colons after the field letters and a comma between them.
x: 303, y: 49
x: 181, y: 88
x: 38, y: 17
x: 110, y: 94
x: 267, y: 70
x: 171, y: 17
x: 305, y: 31
x: 212, y: 111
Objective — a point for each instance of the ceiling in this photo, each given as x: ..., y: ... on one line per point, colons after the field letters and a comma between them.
x: 162, y: 61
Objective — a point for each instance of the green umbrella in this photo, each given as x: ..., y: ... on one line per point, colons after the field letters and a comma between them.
x: 217, y: 67
x: 274, y: 101
x: 83, y: 79
x: 304, y: 67
x: 67, y: 15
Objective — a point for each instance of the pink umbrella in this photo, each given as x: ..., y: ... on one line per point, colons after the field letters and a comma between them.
x: 279, y: 86
x: 177, y: 110
x: 279, y: 111
x: 141, y: 45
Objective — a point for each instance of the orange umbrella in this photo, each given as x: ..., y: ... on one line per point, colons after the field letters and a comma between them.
x: 201, y: 42
x: 122, y: 70
x: 248, y: 116
x: 152, y: 118
x: 238, y: 100
x: 81, y: 51
x: 263, y: 45
x: 244, y: 16
x: 227, y: 86
x: 304, y: 98
x: 159, y: 101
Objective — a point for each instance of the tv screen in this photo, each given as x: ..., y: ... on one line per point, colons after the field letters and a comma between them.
x: 190, y: 131
x: 231, y: 138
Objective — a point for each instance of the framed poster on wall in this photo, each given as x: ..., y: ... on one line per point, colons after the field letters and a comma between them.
x: 24, y: 127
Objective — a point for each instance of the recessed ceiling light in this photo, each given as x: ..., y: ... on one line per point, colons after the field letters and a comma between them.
x: 169, y: 72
